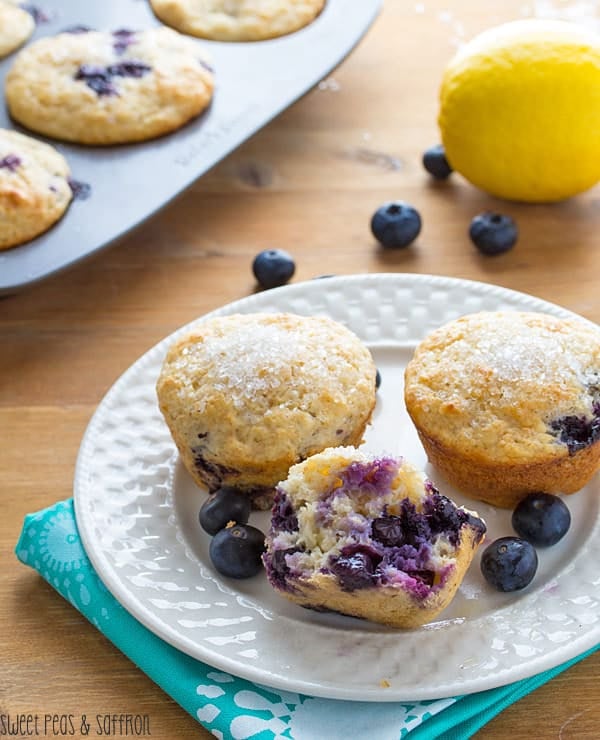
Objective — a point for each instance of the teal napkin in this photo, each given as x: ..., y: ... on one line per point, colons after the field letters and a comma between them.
x: 232, y: 707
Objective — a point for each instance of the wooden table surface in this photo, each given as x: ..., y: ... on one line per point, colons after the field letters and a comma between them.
x: 308, y: 183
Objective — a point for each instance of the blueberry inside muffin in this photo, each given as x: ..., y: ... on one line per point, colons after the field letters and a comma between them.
x: 368, y: 536
x: 101, y: 88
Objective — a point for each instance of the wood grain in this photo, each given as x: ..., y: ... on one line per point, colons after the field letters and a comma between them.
x: 307, y: 183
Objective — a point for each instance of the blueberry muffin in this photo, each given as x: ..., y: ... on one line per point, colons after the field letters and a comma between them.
x: 34, y: 188
x: 507, y: 403
x: 248, y: 396
x: 16, y: 26
x: 109, y: 88
x: 368, y: 536
x: 237, y: 20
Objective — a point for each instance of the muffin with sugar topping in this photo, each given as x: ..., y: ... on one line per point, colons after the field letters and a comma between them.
x: 247, y: 396
x: 368, y: 536
x: 507, y: 403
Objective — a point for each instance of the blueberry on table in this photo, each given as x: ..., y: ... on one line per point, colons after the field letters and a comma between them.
x: 396, y: 224
x: 236, y: 551
x: 509, y: 563
x: 226, y: 504
x: 273, y: 267
x: 435, y: 162
x: 542, y: 519
x: 493, y: 233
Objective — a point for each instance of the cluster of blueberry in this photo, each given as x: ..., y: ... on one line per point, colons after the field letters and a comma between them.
x: 397, y: 224
x: 236, y: 547
x: 99, y: 79
x: 540, y: 520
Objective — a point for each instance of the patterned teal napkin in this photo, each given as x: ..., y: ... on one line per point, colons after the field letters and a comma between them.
x: 231, y: 707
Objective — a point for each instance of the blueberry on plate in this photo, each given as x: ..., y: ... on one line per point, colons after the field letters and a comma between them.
x: 225, y: 505
x: 377, y: 379
x: 236, y: 551
x: 273, y: 267
x: 396, y: 224
x: 509, y: 563
x: 542, y: 519
x: 493, y: 233
x: 435, y: 162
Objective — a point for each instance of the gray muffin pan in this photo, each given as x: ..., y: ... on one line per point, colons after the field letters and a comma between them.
x: 254, y: 82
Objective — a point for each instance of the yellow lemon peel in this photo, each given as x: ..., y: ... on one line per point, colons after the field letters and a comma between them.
x: 520, y: 110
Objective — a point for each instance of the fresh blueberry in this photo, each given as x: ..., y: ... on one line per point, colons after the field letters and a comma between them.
x: 493, y: 233
x: 396, y: 224
x: 509, y: 563
x: 377, y: 379
x: 542, y: 519
x: 273, y: 267
x: 435, y: 162
x: 225, y: 505
x: 236, y: 551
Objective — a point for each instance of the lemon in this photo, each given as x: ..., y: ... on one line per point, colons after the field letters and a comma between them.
x: 520, y: 110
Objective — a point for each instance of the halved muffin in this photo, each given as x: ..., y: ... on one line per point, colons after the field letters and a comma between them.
x: 368, y: 536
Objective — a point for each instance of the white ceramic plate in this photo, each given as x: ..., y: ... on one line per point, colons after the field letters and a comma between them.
x: 137, y: 513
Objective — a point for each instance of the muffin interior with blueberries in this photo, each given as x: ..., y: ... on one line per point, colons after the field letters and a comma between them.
x: 368, y: 536
x: 247, y: 396
x: 507, y: 403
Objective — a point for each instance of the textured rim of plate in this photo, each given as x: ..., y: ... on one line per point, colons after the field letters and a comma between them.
x: 585, y: 635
